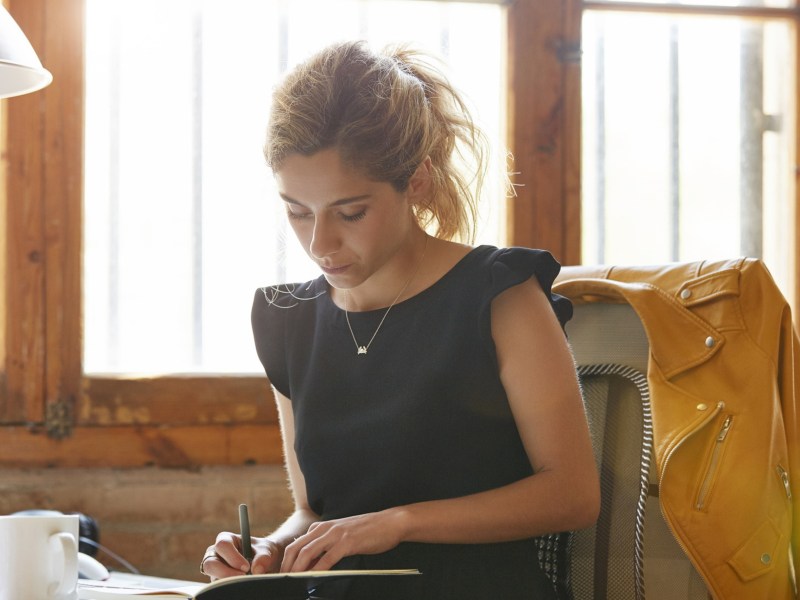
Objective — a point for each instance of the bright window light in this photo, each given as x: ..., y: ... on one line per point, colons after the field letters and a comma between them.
x: 182, y: 222
x: 688, y: 134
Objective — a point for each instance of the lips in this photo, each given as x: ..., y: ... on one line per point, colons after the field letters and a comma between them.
x: 334, y: 270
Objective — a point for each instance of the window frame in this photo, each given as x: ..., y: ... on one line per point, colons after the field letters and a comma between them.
x: 52, y: 414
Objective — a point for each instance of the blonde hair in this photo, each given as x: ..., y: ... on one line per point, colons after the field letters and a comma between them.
x: 385, y: 113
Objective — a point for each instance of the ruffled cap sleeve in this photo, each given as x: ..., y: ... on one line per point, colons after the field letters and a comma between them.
x: 512, y: 266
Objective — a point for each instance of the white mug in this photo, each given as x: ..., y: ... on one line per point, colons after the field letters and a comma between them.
x: 39, y: 557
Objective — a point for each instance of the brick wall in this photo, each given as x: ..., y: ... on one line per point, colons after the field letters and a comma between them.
x: 159, y: 520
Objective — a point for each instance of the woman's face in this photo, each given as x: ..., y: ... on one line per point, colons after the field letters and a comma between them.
x: 351, y: 226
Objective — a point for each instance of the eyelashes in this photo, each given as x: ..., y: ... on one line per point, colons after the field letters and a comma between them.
x: 356, y: 217
x: 349, y: 218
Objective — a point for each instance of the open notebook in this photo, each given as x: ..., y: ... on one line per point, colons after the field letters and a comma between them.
x: 272, y: 586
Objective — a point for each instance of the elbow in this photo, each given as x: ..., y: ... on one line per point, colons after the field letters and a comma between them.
x: 581, y: 505
x: 588, y: 511
x: 586, y: 505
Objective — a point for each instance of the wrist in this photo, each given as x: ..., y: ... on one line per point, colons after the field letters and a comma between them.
x: 402, y: 522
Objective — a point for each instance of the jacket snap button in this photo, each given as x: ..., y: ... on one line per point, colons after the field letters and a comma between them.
x: 702, y: 406
x: 710, y: 341
x: 766, y: 558
x: 686, y: 294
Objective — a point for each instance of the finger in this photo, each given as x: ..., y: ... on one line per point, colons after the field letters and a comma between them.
x: 291, y: 552
x: 264, y: 563
x: 266, y: 560
x: 227, y: 549
x: 289, y: 556
x: 308, y: 556
x: 216, y: 568
x: 326, y: 560
x: 327, y: 550
x: 293, y: 555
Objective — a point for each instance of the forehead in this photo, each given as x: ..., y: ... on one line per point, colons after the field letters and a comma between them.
x: 321, y: 178
x: 323, y: 166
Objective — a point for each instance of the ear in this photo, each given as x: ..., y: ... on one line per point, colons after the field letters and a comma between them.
x: 419, y: 184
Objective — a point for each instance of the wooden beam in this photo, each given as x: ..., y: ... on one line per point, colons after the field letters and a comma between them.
x: 571, y: 61
x: 536, y: 124
x: 162, y: 446
x: 62, y: 200
x: 701, y: 10
x: 24, y: 239
x: 189, y: 400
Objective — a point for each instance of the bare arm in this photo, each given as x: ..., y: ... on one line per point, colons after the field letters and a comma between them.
x: 538, y: 373
x: 268, y: 550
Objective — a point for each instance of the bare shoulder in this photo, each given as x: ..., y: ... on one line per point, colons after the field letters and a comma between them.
x: 526, y: 331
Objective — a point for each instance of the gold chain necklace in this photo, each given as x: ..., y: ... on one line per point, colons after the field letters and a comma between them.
x: 362, y: 349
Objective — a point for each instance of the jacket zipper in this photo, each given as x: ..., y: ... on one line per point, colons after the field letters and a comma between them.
x: 719, y: 445
x: 785, y: 480
x: 718, y: 408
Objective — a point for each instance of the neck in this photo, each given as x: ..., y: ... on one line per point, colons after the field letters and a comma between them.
x: 393, y: 286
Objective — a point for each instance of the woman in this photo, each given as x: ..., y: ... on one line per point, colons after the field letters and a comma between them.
x: 428, y: 400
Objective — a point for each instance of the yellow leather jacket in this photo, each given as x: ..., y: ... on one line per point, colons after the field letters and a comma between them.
x: 724, y: 377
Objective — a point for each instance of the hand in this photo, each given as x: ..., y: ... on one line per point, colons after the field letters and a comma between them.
x: 224, y: 558
x: 327, y: 542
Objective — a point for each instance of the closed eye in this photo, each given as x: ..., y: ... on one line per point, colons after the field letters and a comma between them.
x: 356, y: 217
x: 297, y: 215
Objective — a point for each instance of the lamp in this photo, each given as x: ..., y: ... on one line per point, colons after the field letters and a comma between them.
x: 20, y: 69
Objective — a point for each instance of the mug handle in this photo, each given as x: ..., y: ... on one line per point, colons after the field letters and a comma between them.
x: 64, y: 544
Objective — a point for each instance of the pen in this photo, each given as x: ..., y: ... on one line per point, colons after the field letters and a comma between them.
x: 244, y: 527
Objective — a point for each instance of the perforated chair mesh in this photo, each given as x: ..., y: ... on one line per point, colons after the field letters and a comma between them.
x: 553, y: 554
x: 606, y: 561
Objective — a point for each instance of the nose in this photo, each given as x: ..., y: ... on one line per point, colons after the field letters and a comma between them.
x: 324, y: 238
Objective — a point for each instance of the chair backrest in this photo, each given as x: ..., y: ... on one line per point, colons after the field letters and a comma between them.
x: 630, y: 552
x: 607, y: 560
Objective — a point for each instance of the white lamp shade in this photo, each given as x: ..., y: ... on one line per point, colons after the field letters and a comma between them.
x: 20, y: 69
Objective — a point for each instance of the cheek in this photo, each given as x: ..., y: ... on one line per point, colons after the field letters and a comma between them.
x: 376, y: 233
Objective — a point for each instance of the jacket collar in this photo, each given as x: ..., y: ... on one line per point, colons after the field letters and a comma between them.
x: 662, y: 297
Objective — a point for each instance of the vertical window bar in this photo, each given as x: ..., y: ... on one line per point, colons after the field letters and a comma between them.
x: 112, y: 340
x: 283, y: 37
x: 600, y: 142
x: 283, y: 61
x: 751, y: 180
x: 675, y: 143
x: 197, y: 187
x: 363, y: 20
x: 444, y: 31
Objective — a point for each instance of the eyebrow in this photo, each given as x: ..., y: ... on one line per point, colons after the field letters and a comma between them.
x: 340, y: 202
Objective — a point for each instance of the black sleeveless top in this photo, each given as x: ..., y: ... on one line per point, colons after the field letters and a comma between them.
x: 422, y: 416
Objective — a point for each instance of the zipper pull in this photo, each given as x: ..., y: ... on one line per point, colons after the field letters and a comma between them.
x: 726, y: 427
x: 785, y: 480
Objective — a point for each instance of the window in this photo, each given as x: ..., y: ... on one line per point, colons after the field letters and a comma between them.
x: 54, y: 412
x: 182, y: 221
x: 689, y: 134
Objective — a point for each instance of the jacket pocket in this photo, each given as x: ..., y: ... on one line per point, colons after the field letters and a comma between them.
x: 713, y: 464
x: 759, y: 553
